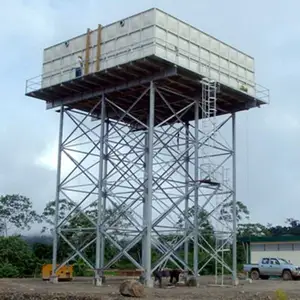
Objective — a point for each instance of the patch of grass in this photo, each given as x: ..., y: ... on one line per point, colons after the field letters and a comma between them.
x: 281, y: 295
x: 110, y: 273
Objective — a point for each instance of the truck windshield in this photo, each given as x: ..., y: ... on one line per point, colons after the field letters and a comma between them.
x: 283, y: 261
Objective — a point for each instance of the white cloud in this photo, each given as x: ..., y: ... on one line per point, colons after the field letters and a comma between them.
x: 282, y: 121
x: 48, y: 158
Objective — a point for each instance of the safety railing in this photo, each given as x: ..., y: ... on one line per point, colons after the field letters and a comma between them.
x: 67, y: 73
x: 262, y: 93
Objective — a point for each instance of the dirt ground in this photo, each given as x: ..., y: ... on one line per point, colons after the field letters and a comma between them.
x: 261, y: 289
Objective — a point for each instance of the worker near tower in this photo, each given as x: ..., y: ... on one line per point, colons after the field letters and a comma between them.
x: 79, y: 66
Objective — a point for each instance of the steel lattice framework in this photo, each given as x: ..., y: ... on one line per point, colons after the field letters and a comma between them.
x: 158, y: 175
x: 147, y: 145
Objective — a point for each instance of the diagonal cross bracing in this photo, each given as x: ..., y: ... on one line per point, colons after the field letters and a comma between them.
x: 149, y: 179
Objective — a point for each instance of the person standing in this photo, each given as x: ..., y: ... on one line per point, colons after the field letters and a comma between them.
x: 79, y: 66
x: 158, y: 276
x: 174, y: 274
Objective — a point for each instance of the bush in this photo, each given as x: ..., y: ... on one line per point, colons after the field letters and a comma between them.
x: 15, y: 254
x: 7, y: 270
x: 81, y: 269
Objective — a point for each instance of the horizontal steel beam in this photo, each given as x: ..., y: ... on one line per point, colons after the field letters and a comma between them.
x: 172, y: 71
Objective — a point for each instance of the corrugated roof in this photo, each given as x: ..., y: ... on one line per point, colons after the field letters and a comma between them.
x: 281, y: 238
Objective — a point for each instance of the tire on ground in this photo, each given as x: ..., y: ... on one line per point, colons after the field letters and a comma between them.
x: 287, y: 275
x: 254, y: 274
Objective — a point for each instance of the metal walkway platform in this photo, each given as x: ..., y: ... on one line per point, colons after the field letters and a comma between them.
x: 124, y: 85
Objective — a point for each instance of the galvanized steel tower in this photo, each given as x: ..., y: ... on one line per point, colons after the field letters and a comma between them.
x: 141, y: 120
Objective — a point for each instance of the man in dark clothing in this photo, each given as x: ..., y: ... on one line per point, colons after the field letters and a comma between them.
x: 174, y: 274
x: 158, y: 277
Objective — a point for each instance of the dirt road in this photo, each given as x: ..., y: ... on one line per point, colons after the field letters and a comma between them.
x: 261, y: 289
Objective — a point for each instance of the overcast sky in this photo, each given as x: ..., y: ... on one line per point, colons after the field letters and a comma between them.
x: 268, y: 181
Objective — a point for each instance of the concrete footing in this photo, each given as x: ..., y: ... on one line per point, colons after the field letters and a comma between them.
x: 53, y: 279
x: 99, y: 280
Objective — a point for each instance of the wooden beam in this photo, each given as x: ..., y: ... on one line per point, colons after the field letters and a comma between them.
x: 98, y: 55
x: 87, y: 52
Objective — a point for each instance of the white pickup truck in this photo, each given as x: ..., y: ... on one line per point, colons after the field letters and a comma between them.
x: 272, y: 266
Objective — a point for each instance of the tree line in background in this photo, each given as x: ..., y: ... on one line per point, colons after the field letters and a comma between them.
x: 22, y: 256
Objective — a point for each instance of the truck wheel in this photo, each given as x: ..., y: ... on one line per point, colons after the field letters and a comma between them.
x: 254, y: 275
x: 287, y: 275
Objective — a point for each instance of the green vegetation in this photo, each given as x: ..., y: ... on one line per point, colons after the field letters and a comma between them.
x: 16, y: 212
x: 16, y: 257
x: 24, y: 256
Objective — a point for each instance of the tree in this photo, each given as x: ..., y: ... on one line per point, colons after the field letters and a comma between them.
x: 226, y: 213
x: 77, y: 220
x: 49, y: 212
x: 43, y: 252
x: 242, y: 211
x: 16, y: 212
x: 252, y: 229
x: 292, y: 228
x: 205, y: 225
x: 206, y: 230
x: 16, y: 257
x: 292, y: 223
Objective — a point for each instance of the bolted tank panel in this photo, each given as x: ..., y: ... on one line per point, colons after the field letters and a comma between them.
x: 199, y: 52
x: 150, y: 33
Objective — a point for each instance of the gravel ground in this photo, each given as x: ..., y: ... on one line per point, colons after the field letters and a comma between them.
x: 82, y: 287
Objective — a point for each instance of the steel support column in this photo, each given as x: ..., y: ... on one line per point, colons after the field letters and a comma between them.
x: 104, y: 195
x: 148, y: 252
x: 234, y: 212
x: 146, y: 161
x: 54, y: 278
x: 100, y: 213
x: 196, y: 196
x: 186, y: 208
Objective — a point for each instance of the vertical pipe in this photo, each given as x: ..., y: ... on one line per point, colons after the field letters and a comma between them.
x: 216, y: 261
x: 98, y: 278
x: 247, y: 258
x: 98, y: 54
x: 196, y: 200
x: 222, y: 276
x: 186, y: 209
x: 57, y: 195
x: 102, y: 242
x: 149, y: 282
x: 234, y: 220
x: 87, y: 52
